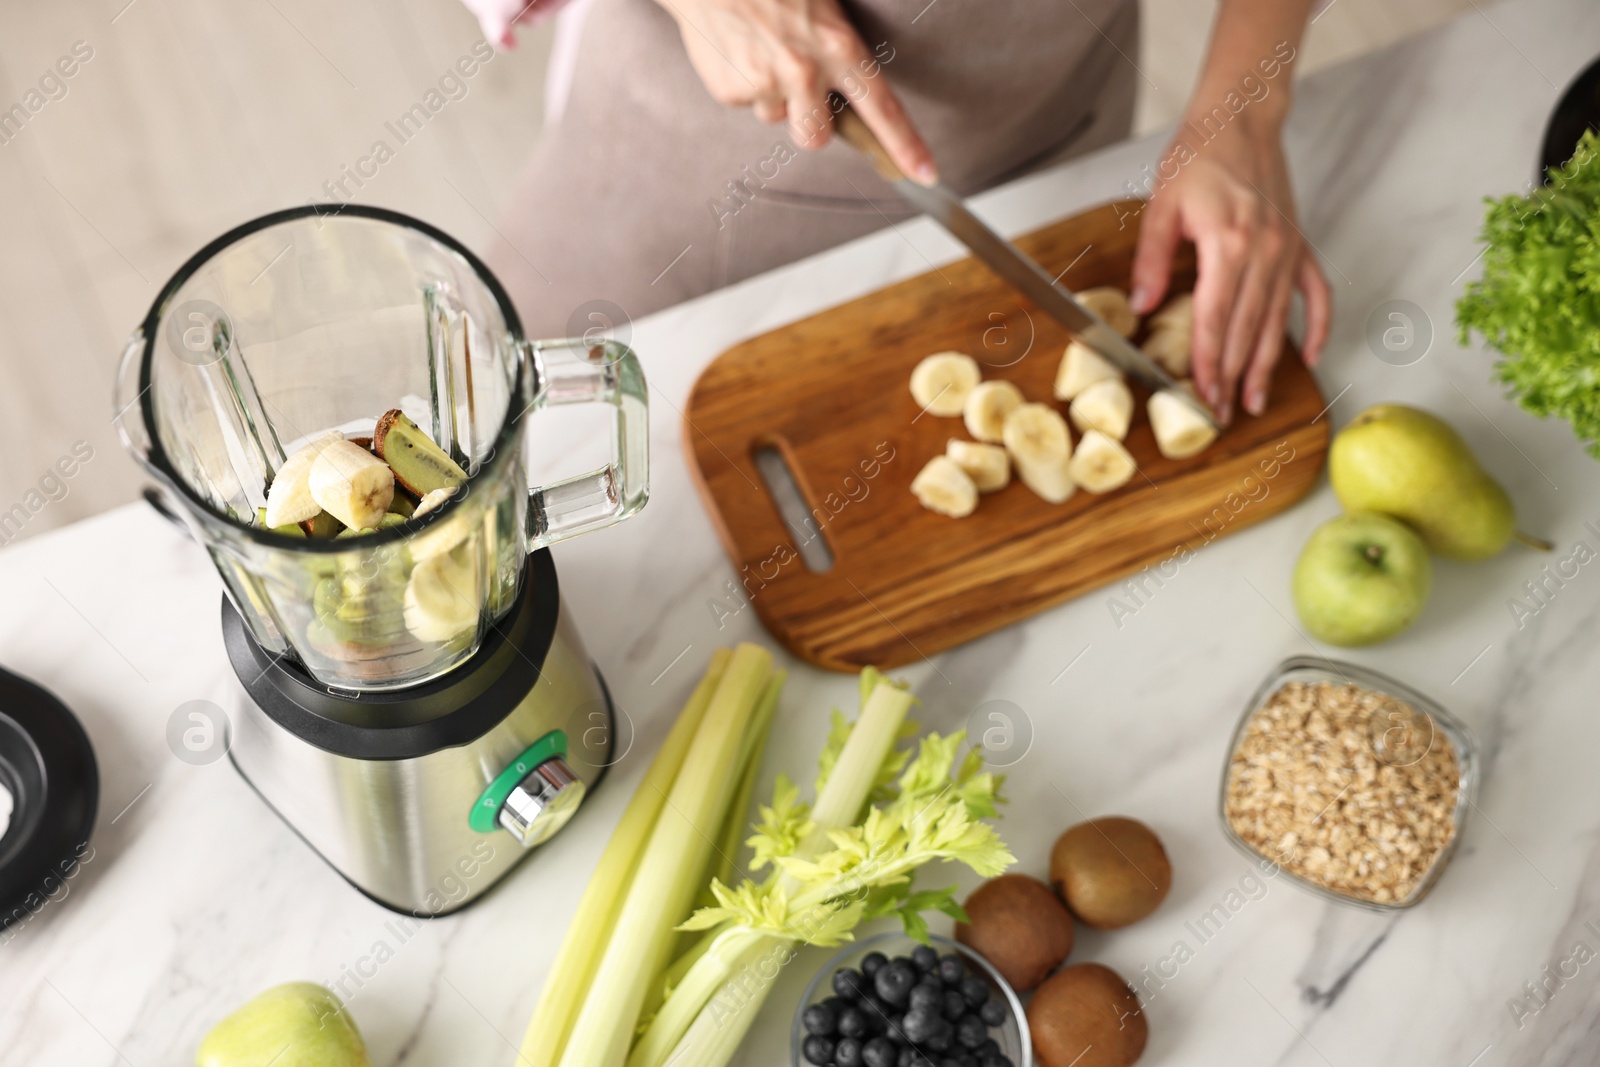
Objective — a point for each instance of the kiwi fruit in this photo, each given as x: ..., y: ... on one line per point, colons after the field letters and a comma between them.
x: 418, y: 464
x: 1086, y: 1016
x: 1017, y: 924
x: 1111, y: 871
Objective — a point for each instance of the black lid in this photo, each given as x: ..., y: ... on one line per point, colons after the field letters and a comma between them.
x: 48, y: 766
x: 406, y: 723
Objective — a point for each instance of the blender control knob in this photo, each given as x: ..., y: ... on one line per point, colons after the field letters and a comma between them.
x: 542, y: 802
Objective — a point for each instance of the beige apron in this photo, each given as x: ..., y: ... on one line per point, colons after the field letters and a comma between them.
x: 647, y: 192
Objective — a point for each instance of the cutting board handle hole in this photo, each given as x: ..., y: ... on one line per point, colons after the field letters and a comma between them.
x: 799, y: 517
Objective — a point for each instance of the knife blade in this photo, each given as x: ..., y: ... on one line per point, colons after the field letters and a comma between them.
x: 1014, y: 266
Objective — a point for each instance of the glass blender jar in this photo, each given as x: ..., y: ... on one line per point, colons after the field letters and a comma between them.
x: 313, y: 320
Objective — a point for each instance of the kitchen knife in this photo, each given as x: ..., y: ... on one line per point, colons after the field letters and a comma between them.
x: 1007, y: 260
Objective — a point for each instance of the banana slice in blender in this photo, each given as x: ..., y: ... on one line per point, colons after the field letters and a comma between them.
x: 289, y: 496
x: 441, y: 599
x: 351, y: 484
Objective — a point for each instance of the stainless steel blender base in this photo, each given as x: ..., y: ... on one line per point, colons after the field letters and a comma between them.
x: 382, y: 786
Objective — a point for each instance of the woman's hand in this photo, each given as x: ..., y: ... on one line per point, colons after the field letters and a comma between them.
x: 1232, y: 198
x: 781, y: 58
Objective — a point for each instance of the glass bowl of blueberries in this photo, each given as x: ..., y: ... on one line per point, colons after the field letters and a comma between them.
x: 890, y: 1001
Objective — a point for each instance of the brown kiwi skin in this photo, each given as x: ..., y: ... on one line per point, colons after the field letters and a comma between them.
x: 1019, y: 925
x: 1086, y: 1016
x: 1111, y: 871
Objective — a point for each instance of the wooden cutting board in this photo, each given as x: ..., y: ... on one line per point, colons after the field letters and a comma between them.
x: 831, y: 394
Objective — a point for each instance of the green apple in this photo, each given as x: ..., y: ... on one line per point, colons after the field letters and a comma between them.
x: 1361, y: 578
x: 300, y: 1024
x: 1414, y: 466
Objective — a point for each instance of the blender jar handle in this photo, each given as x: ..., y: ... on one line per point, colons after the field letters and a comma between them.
x: 570, y: 372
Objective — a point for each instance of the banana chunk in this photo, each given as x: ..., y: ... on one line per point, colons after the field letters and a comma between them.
x: 987, y: 465
x: 1081, y: 367
x: 1171, y: 335
x: 1040, y: 446
x: 944, y: 487
x: 1111, y: 304
x: 1107, y: 406
x: 441, y: 598
x: 941, y: 382
x: 1180, y: 430
x: 987, y: 407
x: 1100, y: 463
x: 289, y: 497
x: 351, y: 484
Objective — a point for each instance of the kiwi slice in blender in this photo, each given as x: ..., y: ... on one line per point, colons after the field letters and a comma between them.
x: 402, y: 505
x: 418, y: 464
x: 322, y: 525
x: 288, y: 529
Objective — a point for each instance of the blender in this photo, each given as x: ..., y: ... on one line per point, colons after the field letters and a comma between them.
x: 422, y: 753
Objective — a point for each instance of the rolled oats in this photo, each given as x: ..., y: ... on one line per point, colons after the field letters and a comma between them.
x: 1346, y: 787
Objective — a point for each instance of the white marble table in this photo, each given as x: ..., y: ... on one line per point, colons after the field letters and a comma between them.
x: 197, y: 897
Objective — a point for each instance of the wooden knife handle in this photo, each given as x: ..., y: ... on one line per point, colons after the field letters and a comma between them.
x: 848, y: 125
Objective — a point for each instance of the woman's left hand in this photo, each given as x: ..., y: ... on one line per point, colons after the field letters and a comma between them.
x: 1232, y: 198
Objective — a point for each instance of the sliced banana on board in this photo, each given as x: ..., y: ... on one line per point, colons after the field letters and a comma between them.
x: 987, y: 465
x: 1170, y: 350
x: 987, y: 407
x: 1180, y: 430
x: 1040, y: 446
x: 351, y: 484
x: 941, y: 382
x: 1100, y: 463
x: 1111, y: 304
x: 1175, y: 314
x: 1081, y: 367
x: 1107, y: 406
x: 944, y: 487
x: 441, y: 599
x: 289, y: 496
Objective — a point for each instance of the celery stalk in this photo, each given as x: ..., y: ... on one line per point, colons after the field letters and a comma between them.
x: 731, y: 839
x: 575, y: 963
x: 664, y: 883
x: 712, y: 985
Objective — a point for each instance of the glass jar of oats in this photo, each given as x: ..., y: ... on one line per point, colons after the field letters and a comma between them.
x: 1355, y: 786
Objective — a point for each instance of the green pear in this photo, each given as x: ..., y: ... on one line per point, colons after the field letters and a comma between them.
x: 300, y: 1024
x: 1360, y: 579
x: 1412, y: 465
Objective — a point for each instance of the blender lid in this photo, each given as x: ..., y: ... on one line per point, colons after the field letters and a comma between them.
x: 48, y: 769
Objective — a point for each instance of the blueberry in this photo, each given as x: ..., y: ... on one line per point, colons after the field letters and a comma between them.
x: 953, y: 1005
x: 967, y: 1059
x: 850, y: 983
x: 871, y: 962
x: 820, y: 1019
x: 847, y: 1053
x: 995, y: 1059
x: 879, y: 1053
x: 897, y: 1029
x: 852, y: 1023
x: 941, y: 1039
x: 907, y: 1054
x: 970, y: 1032
x: 893, y: 983
x: 926, y: 997
x: 988, y: 1048
x: 951, y: 970
x: 925, y: 958
x: 920, y: 1024
x: 949, y: 1061
x: 818, y: 1050
x: 993, y: 1013
x: 876, y: 1013
x: 975, y: 989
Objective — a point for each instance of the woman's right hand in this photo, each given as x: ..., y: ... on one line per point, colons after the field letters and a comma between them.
x: 782, y: 57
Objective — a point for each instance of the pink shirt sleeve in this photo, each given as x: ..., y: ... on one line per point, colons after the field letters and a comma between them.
x: 498, y: 17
